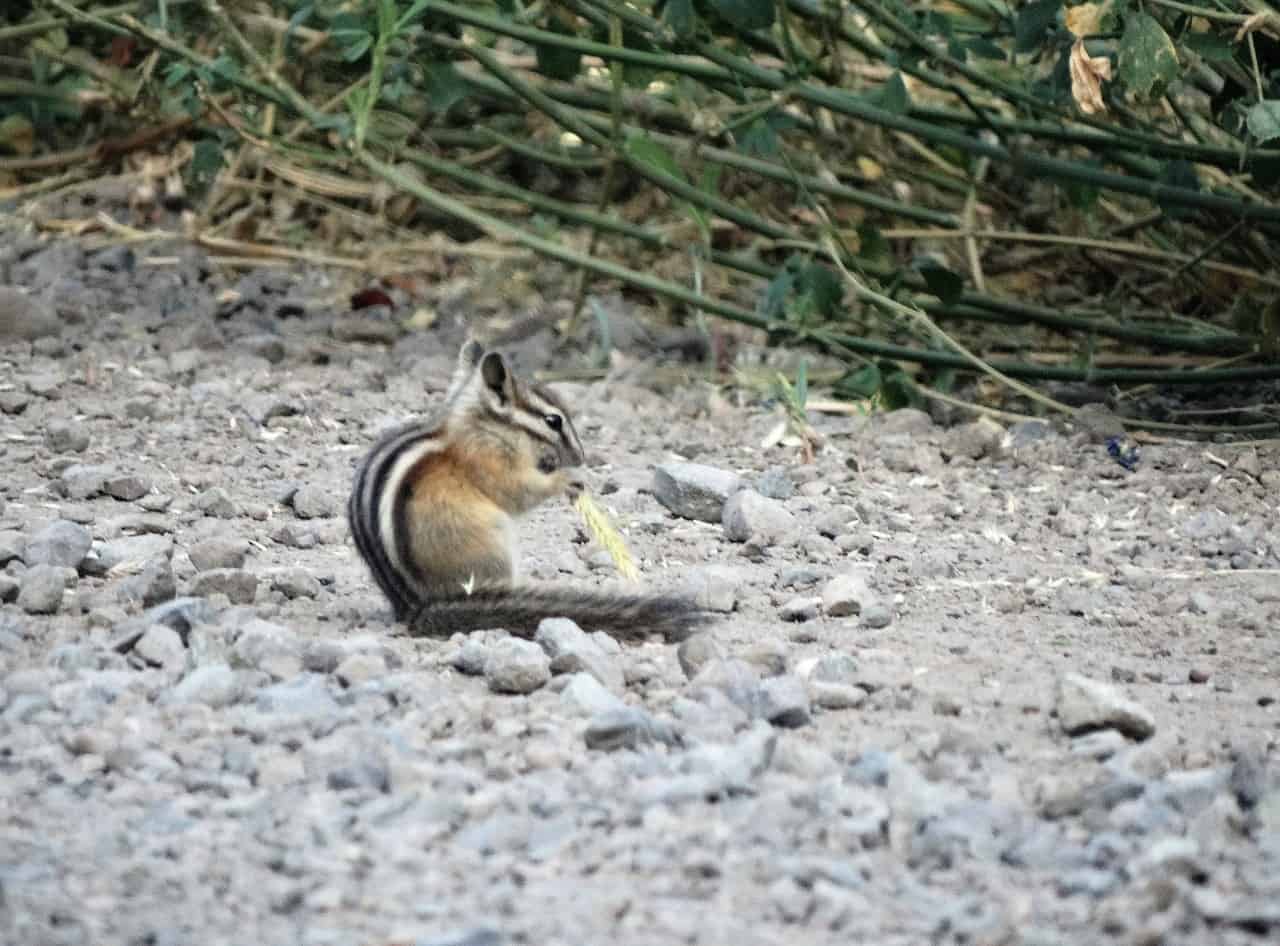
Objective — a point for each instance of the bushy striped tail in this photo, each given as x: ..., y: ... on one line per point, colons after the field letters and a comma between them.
x: 519, y: 610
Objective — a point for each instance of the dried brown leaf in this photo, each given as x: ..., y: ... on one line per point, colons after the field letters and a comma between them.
x: 1087, y: 75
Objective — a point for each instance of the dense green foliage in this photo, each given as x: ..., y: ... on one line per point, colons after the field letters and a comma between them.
x: 852, y: 174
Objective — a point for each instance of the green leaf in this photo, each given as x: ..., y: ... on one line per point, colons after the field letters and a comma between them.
x: 1264, y: 120
x: 1209, y: 46
x: 823, y: 287
x: 352, y: 35
x: 802, y: 383
x: 942, y: 282
x: 776, y: 293
x: 893, y: 96
x: 680, y: 17
x: 176, y: 72
x: 644, y: 149
x: 898, y: 390
x: 206, y: 162
x: 746, y: 14
x: 860, y: 384
x: 985, y: 49
x: 1033, y: 23
x: 761, y: 136
x: 1148, y: 60
x: 445, y: 87
x: 303, y: 14
x: 872, y: 246
x: 557, y: 62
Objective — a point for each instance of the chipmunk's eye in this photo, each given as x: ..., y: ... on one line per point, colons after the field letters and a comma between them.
x: 554, y: 421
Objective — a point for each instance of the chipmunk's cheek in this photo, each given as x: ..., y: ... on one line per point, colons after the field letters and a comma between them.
x: 548, y: 463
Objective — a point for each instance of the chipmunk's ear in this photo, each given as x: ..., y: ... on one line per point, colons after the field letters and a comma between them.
x: 468, y: 357
x: 497, y: 377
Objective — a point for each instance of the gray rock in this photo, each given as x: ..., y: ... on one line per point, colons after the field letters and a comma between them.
x: 471, y: 657
x: 848, y: 594
x: 324, y: 656
x: 906, y: 420
x: 8, y: 588
x: 127, y: 486
x: 877, y: 614
x: 294, y: 582
x: 696, y: 652
x: 360, y: 668
x: 735, y: 679
x: 41, y: 589
x: 693, y: 490
x: 833, y: 668
x: 25, y: 318
x: 588, y: 695
x: 12, y: 545
x: 748, y: 515
x: 218, y: 552
x: 216, y: 503
x: 162, y: 647
x: 628, y: 728
x: 238, y: 585
x: 307, y: 695
x: 367, y: 772
x: 151, y: 585
x: 572, y: 650
x: 212, y: 685
x: 1100, y: 745
x: 836, y: 696
x: 62, y: 543
x: 475, y: 936
x: 516, y: 666
x: 66, y: 436
x: 769, y: 657
x: 799, y: 609
x: 774, y: 483
x: 975, y: 440
x: 1024, y: 433
x: 1085, y: 705
x: 1207, y: 524
x: 271, y: 648
x: 1168, y: 857
x: 312, y: 502
x: 181, y: 614
x: 85, y: 481
x: 714, y: 587
x: 784, y: 701
x: 127, y: 553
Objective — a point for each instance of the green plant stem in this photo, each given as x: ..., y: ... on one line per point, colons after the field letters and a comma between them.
x: 570, y: 121
x: 658, y: 62
x: 40, y: 27
x: 22, y: 88
x: 767, y: 169
x: 1030, y: 164
x: 500, y: 230
x: 272, y: 75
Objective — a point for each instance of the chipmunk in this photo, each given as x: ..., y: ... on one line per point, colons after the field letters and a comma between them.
x: 433, y: 504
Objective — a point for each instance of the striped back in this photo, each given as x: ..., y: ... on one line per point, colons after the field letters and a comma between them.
x: 374, y: 508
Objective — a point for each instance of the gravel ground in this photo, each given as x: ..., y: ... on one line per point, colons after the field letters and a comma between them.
x: 970, y: 684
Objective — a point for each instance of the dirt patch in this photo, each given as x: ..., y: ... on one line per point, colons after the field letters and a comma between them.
x: 210, y: 731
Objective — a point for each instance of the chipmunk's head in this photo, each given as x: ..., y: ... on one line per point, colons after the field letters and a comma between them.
x: 527, y: 417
